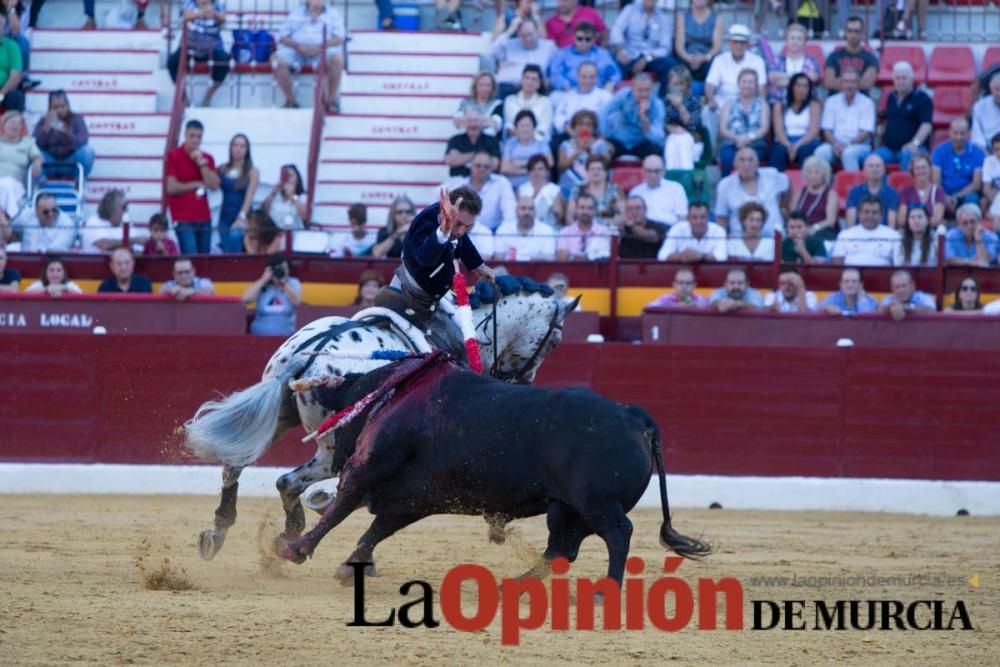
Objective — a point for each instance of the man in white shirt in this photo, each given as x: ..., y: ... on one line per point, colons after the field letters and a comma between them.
x: 848, y: 124
x: 587, y: 95
x: 986, y: 116
x: 499, y: 204
x: 695, y: 239
x: 791, y: 295
x: 358, y: 240
x: 751, y: 182
x: 47, y: 229
x: 721, y: 83
x: 906, y: 298
x: 517, y: 47
x: 666, y: 201
x: 311, y: 30
x: 869, y: 243
x: 526, y: 240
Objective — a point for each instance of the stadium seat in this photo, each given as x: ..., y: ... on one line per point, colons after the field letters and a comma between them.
x: 893, y: 53
x: 951, y: 66
x: 626, y: 177
x: 900, y: 180
x: 990, y: 58
x: 949, y: 102
x: 843, y: 182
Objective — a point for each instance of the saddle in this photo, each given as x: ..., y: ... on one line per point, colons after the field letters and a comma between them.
x: 431, y: 328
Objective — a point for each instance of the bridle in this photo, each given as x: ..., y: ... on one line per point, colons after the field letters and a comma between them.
x: 519, y: 376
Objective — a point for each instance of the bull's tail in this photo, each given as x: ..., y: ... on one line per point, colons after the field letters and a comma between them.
x: 239, y: 428
x: 682, y: 545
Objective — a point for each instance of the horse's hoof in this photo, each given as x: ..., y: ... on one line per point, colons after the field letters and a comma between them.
x: 293, y: 551
x: 319, y: 500
x: 209, y: 543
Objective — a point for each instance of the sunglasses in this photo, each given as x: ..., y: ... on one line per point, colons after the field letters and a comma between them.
x: 404, y: 211
x: 969, y: 288
x: 584, y: 38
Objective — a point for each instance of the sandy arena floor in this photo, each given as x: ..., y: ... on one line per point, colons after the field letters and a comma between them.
x: 71, y: 588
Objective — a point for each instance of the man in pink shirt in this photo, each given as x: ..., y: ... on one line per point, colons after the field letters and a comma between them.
x: 585, y: 239
x: 562, y: 26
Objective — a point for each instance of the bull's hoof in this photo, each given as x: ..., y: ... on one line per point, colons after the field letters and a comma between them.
x: 345, y: 574
x: 209, y: 543
x: 297, y: 551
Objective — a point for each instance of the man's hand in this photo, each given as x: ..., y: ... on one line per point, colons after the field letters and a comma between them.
x: 487, y: 273
x: 622, y: 57
x: 897, y: 311
x: 449, y: 213
x: 638, y: 65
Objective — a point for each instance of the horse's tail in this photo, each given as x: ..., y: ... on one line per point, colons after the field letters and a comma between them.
x: 689, y: 547
x: 239, y: 428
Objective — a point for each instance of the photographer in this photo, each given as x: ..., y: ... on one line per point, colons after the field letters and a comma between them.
x: 276, y: 294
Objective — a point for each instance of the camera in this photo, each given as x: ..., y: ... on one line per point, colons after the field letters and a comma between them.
x: 278, y: 272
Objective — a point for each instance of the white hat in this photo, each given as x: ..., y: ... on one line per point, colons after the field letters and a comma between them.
x: 738, y: 33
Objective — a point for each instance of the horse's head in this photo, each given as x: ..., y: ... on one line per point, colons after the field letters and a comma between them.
x: 528, y: 327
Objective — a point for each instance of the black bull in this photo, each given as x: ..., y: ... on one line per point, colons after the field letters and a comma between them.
x: 453, y: 442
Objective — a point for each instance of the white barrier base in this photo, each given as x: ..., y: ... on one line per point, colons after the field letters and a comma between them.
x: 909, y: 496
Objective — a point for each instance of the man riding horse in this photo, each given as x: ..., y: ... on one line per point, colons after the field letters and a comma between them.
x: 436, y: 238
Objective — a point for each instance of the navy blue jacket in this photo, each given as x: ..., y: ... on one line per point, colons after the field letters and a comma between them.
x: 423, y: 254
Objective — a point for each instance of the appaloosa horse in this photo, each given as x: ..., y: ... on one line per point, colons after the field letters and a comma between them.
x: 238, y: 429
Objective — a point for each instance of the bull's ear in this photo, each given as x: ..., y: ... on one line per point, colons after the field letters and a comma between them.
x: 571, y: 306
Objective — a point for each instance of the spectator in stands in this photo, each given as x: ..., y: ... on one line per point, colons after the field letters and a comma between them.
x: 18, y: 154
x: 204, y: 20
x: 905, y: 297
x: 791, y: 61
x: 722, y: 81
x: 389, y: 241
x: 13, y: 11
x: 498, y: 202
x: 606, y: 194
x: 796, y: 121
x: 683, y: 295
x: 751, y: 246
x: 634, y: 120
x: 817, y: 200
x: 11, y: 72
x: 694, y: 240
x: 848, y: 124
x: 968, y: 243
x: 7, y: 238
x: 791, y: 295
x: 238, y: 180
x: 642, y: 39
x: 54, y: 280
x: 586, y: 96
x: 751, y: 182
x: 640, y: 237
x: 448, y: 16
x: 798, y: 246
x: 287, y: 204
x: 665, y: 201
x: 358, y: 240
x: 874, y: 185
x: 566, y: 62
x: 958, y: 167
x: 185, y: 282
x: 47, y: 229
x: 520, y: 148
x: 575, y: 153
x: 517, y: 47
x: 276, y: 294
x: 736, y: 294
x: 919, y: 244
x: 483, y: 98
x: 311, y: 30
x: 991, y: 181
x: 907, y: 118
x: 124, y: 279
x: 855, y: 56
x: 968, y: 300
x: 560, y: 285
x: 62, y: 136
x: 461, y: 147
x: 190, y: 173
x: 549, y: 203
x: 869, y: 243
x: 986, y: 114
x: 159, y: 243
x: 585, y: 238
x: 684, y: 144
x: 102, y: 232
x: 569, y: 17
x: 10, y: 279
x: 510, y: 15
x: 851, y: 298
x: 529, y: 98
x: 923, y: 192
x: 88, y: 10
x: 369, y: 283
x: 698, y: 37
x: 903, y: 26
x: 745, y: 121
x: 263, y: 236
x: 527, y: 239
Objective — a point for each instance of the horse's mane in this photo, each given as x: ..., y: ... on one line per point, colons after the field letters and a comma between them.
x: 485, y: 293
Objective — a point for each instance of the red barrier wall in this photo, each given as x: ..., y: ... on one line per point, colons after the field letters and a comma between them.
x: 906, y: 413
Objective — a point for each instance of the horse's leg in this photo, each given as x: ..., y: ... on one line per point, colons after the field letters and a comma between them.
x: 382, y: 527
x: 210, y: 540
x: 291, y: 486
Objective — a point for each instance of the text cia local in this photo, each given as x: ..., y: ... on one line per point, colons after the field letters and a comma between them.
x: 48, y: 320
